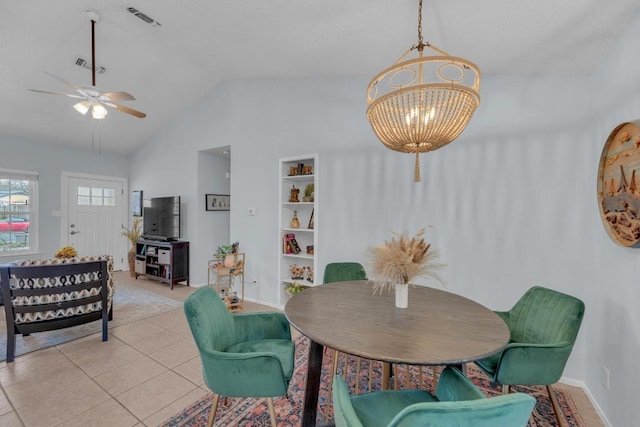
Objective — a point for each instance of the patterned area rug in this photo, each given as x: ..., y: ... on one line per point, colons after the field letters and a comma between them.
x: 253, y: 412
x: 130, y: 303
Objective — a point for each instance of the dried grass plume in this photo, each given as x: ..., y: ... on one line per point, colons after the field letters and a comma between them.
x: 402, y: 259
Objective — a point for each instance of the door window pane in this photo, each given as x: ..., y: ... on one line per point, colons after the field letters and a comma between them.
x: 96, y: 196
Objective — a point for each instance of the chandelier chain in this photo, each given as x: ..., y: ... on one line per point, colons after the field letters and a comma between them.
x: 420, y: 46
x: 419, y: 22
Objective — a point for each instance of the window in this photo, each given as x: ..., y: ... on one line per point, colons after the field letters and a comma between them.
x: 96, y: 196
x: 18, y: 219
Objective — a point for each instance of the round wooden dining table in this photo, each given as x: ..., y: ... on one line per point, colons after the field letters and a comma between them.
x: 437, y: 328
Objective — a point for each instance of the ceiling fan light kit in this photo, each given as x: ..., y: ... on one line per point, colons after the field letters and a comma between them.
x: 423, y: 103
x: 98, y: 112
x: 82, y: 107
x: 91, y: 97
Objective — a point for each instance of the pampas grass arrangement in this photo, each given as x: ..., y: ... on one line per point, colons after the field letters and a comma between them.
x: 403, y: 259
x: 134, y: 232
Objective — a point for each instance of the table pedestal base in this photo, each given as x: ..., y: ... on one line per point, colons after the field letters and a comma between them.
x: 314, y: 371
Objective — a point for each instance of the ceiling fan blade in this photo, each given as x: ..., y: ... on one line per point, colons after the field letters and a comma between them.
x: 71, y: 85
x: 58, y: 93
x: 127, y: 110
x: 118, y: 96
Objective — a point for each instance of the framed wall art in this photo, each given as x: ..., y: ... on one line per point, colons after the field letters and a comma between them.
x: 136, y: 203
x: 217, y: 202
x: 619, y: 185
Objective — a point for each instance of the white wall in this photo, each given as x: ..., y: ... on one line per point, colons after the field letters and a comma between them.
x: 512, y: 202
x: 174, y: 163
x: 50, y: 161
x: 614, y: 319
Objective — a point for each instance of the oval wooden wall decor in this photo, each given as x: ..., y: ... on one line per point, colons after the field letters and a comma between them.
x: 619, y: 184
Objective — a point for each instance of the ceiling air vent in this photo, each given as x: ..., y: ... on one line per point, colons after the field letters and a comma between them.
x: 81, y: 62
x: 144, y: 17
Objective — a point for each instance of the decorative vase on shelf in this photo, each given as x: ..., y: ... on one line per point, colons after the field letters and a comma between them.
x: 402, y: 295
x: 229, y: 260
x: 295, y: 222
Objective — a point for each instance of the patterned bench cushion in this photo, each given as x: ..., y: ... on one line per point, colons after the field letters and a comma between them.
x: 57, y: 282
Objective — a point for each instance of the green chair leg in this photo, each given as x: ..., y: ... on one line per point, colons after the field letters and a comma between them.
x: 214, y: 408
x: 272, y: 411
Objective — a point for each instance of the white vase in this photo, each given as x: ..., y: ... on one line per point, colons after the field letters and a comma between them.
x: 402, y: 295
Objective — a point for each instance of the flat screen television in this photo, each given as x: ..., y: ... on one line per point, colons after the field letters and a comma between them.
x: 161, y: 219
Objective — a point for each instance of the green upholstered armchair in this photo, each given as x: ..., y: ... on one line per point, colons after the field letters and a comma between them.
x: 243, y: 355
x: 543, y: 324
x: 341, y: 271
x: 457, y: 402
x: 338, y: 272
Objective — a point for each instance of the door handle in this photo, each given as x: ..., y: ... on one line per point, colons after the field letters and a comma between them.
x: 74, y: 232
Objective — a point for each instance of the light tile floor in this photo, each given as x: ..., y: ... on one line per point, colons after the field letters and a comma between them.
x: 148, y: 371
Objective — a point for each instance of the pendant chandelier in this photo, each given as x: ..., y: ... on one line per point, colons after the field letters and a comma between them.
x: 422, y: 103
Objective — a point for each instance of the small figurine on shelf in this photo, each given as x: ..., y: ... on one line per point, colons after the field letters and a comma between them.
x: 293, y: 197
x: 307, y: 170
x: 295, y: 222
x: 309, y: 274
x: 296, y: 272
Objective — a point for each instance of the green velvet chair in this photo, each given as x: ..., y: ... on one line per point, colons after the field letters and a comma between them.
x: 342, y: 271
x: 243, y: 355
x: 543, y: 324
x: 456, y: 403
x: 339, y: 272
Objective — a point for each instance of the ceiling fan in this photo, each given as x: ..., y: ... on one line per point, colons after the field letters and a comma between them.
x: 91, y: 97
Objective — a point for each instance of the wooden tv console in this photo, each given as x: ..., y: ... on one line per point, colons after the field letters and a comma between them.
x: 166, y: 262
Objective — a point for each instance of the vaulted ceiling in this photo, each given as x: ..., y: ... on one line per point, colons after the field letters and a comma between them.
x: 191, y: 46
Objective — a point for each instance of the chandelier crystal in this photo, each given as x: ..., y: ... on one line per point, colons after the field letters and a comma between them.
x: 422, y: 103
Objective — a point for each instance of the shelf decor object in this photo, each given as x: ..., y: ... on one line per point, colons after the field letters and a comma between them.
x: 618, y: 190
x: 295, y: 222
x: 293, y: 197
x: 421, y: 104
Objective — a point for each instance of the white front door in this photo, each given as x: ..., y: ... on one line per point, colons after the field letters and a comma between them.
x: 95, y: 212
